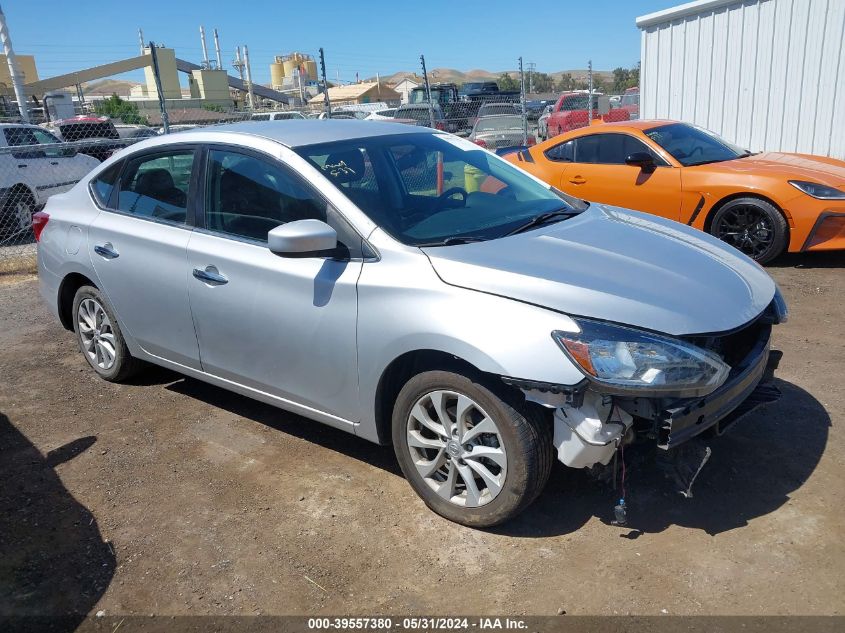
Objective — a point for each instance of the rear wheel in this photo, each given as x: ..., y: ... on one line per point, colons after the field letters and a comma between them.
x: 100, y: 339
x: 752, y: 226
x: 16, y: 218
x: 472, y: 457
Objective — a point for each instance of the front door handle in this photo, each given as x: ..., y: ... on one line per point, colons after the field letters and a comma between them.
x: 107, y: 251
x: 577, y: 180
x: 210, y: 275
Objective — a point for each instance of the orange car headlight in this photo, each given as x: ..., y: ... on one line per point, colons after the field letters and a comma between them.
x: 816, y: 190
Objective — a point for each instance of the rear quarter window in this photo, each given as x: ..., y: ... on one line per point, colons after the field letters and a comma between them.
x: 103, y: 185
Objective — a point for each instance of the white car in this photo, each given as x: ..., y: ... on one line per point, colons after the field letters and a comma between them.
x: 381, y: 115
x: 543, y: 122
x: 30, y: 175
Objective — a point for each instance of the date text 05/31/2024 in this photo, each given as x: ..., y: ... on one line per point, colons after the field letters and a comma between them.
x: 415, y: 624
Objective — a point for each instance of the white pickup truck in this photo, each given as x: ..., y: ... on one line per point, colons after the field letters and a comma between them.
x: 29, y: 174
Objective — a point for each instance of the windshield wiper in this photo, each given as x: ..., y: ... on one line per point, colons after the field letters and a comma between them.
x: 451, y: 241
x: 543, y: 218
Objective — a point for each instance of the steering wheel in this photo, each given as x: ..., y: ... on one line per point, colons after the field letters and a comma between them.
x: 445, y: 198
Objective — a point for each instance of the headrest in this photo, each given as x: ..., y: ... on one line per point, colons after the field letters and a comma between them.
x: 155, y: 180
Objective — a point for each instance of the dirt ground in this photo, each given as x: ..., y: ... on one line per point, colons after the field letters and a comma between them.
x: 169, y: 496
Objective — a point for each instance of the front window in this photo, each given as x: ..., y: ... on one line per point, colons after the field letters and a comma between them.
x: 425, y: 189
x: 691, y: 145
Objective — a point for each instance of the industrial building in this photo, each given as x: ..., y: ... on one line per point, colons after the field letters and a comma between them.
x: 764, y: 74
x: 363, y: 92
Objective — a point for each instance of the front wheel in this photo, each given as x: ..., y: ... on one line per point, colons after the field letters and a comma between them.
x: 472, y: 457
x: 752, y: 226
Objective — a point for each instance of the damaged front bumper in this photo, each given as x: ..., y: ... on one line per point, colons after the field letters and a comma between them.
x: 590, y: 426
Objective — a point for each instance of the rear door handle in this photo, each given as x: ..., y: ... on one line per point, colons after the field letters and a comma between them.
x: 107, y: 251
x: 210, y: 275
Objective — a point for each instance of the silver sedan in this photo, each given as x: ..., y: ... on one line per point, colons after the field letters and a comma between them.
x: 408, y: 287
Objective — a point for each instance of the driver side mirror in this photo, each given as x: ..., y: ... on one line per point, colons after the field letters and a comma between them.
x: 302, y: 238
x: 643, y: 160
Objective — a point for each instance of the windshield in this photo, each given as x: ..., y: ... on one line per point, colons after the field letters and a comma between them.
x: 691, y: 145
x: 489, y: 124
x: 425, y: 189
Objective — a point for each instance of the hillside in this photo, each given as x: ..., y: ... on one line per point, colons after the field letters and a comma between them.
x: 451, y: 75
x: 108, y: 87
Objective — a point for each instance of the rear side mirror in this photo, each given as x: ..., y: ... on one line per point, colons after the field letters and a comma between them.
x: 302, y: 238
x: 642, y: 160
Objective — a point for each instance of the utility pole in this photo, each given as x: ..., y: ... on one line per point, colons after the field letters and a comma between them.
x: 238, y: 63
x: 326, y: 99
x: 14, y: 72
x: 590, y: 96
x: 522, y: 101
x: 165, y: 120
x: 141, y: 40
x: 205, y: 63
x: 427, y: 91
x: 250, y: 91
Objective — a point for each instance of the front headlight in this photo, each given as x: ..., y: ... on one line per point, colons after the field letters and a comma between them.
x: 814, y: 189
x: 629, y: 360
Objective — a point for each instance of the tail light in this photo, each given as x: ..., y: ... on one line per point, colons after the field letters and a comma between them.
x: 439, y: 125
x: 39, y: 221
x: 480, y: 143
x: 531, y: 141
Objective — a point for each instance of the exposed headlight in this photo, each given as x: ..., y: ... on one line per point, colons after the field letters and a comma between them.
x: 781, y: 311
x: 629, y: 360
x: 814, y: 189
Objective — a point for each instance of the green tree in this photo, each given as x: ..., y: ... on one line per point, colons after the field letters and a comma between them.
x: 565, y: 83
x: 506, y: 82
x: 624, y: 78
x: 116, y: 108
x: 542, y: 82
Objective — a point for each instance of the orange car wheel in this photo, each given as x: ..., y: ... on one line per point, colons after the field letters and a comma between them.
x: 752, y: 226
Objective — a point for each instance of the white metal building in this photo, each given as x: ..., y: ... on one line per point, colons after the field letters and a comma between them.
x: 764, y: 74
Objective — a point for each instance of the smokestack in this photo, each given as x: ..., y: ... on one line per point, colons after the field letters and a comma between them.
x: 249, y: 78
x: 204, y: 49
x: 14, y: 71
x: 238, y: 63
x: 217, y: 51
x: 141, y: 40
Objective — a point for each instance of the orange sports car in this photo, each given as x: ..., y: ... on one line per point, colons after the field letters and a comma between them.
x: 762, y: 204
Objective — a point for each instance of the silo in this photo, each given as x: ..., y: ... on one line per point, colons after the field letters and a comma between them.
x: 290, y: 65
x: 311, y: 69
x: 277, y: 73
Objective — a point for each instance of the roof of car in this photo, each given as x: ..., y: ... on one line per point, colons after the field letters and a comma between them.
x: 301, y: 132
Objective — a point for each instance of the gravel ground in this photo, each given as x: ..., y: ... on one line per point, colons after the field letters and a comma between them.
x: 169, y: 496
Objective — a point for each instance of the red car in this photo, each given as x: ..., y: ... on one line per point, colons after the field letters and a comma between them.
x: 571, y: 111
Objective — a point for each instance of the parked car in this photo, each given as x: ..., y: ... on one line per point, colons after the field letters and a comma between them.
x: 411, y: 288
x: 630, y: 102
x: 420, y: 114
x: 41, y: 167
x: 277, y: 116
x: 135, y: 131
x: 762, y: 204
x: 542, y: 122
x: 382, y: 115
x: 91, y: 134
x: 572, y: 111
x: 499, y: 132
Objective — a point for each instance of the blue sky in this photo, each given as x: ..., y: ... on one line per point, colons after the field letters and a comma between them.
x: 357, y: 35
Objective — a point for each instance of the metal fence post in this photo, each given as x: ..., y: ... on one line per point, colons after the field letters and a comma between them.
x: 590, y: 96
x: 165, y: 120
x: 427, y: 91
x: 522, y: 102
x: 326, y: 98
x: 14, y: 71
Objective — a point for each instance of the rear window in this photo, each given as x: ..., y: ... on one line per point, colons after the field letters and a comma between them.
x: 103, y: 185
x: 88, y: 129
x: 488, y: 110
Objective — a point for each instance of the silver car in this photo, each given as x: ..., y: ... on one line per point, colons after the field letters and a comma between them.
x: 499, y: 132
x: 408, y: 287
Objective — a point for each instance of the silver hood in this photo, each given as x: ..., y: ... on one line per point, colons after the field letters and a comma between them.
x: 617, y: 265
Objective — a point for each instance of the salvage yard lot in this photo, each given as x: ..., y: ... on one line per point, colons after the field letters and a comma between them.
x: 169, y: 496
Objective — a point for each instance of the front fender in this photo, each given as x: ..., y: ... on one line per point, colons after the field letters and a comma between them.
x: 403, y: 306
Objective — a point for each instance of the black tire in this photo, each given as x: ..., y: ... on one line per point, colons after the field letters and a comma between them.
x: 125, y: 365
x: 16, y: 217
x: 526, y: 439
x: 752, y: 226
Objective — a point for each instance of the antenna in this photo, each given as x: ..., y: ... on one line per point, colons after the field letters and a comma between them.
x: 205, y: 63
x: 217, y: 51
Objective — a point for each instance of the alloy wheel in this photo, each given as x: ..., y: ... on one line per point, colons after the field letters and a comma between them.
x: 457, y: 448
x: 97, y: 334
x: 746, y: 228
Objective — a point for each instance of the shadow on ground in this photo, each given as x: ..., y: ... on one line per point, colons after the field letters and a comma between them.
x: 822, y: 259
x: 53, y: 559
x: 754, y: 467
